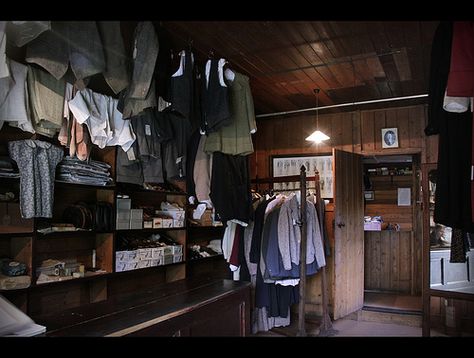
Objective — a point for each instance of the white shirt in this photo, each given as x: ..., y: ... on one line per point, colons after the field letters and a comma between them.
x: 15, y: 107
x: 104, y: 121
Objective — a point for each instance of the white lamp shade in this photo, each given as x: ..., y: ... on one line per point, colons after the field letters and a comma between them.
x: 317, y: 137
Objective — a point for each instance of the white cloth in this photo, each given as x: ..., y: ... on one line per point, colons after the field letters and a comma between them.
x: 220, y: 70
x: 15, y: 107
x: 456, y: 104
x: 228, y: 240
x: 103, y: 119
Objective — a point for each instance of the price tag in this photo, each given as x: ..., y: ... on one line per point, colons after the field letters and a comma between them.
x: 131, y: 155
x: 147, y: 130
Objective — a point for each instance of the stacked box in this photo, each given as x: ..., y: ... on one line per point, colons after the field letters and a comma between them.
x: 124, y: 206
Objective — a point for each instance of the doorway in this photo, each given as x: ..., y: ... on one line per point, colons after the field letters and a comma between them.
x: 392, y: 234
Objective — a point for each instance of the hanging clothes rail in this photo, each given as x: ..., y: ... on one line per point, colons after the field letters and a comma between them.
x: 326, y: 324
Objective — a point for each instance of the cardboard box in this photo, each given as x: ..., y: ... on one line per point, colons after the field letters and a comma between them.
x: 157, y: 252
x: 122, y: 225
x: 136, y: 214
x: 177, y: 258
x: 144, y: 264
x: 120, y: 266
x: 168, y: 259
x: 132, y: 256
x: 167, y: 223
x: 176, y: 249
x: 178, y: 223
x: 157, y: 223
x: 148, y: 224
x: 144, y: 254
x: 121, y: 255
x: 136, y: 224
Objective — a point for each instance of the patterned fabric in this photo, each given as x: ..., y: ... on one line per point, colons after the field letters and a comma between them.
x: 36, y: 162
x: 458, y: 253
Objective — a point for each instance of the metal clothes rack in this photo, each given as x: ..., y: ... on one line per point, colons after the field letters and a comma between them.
x: 325, y: 328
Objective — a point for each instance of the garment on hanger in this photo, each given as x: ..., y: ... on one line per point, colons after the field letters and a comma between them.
x: 214, y: 98
x: 6, y: 79
x: 461, y: 76
x: 74, y: 42
x: 14, y: 108
x: 235, y: 137
x: 116, y: 71
x: 202, y: 172
x: 36, y: 162
x: 130, y: 107
x: 230, y: 187
x: 46, y: 101
x: 22, y: 32
x: 452, y: 198
x: 105, y: 123
x: 145, y: 53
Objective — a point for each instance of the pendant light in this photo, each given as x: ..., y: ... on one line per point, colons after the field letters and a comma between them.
x: 317, y: 136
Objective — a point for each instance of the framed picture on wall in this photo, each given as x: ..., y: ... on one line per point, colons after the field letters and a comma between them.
x: 283, y: 166
x: 389, y: 138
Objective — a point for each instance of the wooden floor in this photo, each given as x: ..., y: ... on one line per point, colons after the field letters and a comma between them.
x: 392, y: 301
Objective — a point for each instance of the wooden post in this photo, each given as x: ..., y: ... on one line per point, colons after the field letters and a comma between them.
x: 301, y: 306
x: 325, y: 329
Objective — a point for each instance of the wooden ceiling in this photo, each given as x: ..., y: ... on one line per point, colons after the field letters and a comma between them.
x: 348, y: 61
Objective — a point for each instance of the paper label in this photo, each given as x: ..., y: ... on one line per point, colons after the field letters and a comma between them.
x: 147, y: 129
x: 178, y: 160
x: 131, y: 154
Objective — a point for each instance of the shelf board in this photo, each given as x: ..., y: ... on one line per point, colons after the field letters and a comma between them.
x: 66, y: 184
x: 16, y: 234
x: 127, y: 188
x: 205, y: 258
x: 151, y: 230
x: 77, y: 233
x: 91, y: 276
x: 149, y: 268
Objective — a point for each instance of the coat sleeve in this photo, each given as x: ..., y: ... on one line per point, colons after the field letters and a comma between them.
x: 284, y: 233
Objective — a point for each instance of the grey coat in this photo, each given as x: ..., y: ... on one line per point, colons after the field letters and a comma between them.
x: 289, y: 234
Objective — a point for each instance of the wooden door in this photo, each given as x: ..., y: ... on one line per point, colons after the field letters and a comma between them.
x: 348, y: 279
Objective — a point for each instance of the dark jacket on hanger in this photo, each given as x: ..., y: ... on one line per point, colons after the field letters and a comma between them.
x: 453, y: 192
x: 215, y: 101
x: 230, y: 187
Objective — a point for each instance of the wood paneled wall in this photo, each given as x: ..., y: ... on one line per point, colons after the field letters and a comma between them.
x: 391, y: 262
x: 358, y: 132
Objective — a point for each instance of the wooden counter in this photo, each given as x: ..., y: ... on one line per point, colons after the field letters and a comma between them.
x: 189, y: 307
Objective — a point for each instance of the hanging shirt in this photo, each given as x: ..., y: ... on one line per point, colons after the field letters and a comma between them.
x: 46, y: 101
x: 15, y: 107
x: 36, y: 162
x: 99, y: 112
x: 22, y: 32
x: 6, y: 80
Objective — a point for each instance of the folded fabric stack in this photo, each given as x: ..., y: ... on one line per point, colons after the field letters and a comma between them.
x: 7, y: 168
x: 91, y: 172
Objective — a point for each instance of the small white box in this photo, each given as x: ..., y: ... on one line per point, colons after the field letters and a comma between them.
x: 143, y: 264
x: 157, y: 252
x: 132, y: 256
x: 174, y: 214
x: 167, y: 259
x: 123, y: 215
x: 167, y: 223
x: 136, y: 224
x: 131, y: 266
x: 168, y: 250
x: 144, y: 254
x: 148, y: 224
x: 156, y: 262
x: 157, y: 223
x: 122, y: 225
x: 120, y: 266
x: 124, y: 204
x: 136, y: 214
x: 177, y: 258
x: 178, y: 223
x: 177, y: 249
x: 121, y: 255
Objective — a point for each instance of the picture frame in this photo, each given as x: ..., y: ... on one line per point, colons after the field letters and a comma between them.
x: 290, y: 165
x: 369, y: 195
x: 389, y: 137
